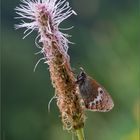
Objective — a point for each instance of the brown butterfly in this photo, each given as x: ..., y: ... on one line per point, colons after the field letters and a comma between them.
x: 95, y: 96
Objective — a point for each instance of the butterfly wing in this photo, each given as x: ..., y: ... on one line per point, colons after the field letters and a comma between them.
x: 95, y: 97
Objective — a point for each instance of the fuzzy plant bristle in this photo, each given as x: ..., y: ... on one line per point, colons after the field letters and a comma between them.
x: 45, y: 16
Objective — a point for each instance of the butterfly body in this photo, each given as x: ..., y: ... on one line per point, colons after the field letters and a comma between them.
x: 95, y: 97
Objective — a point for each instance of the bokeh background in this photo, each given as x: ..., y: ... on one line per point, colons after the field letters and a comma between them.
x: 106, y: 37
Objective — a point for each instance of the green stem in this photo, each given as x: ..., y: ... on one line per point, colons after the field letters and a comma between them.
x: 80, y: 134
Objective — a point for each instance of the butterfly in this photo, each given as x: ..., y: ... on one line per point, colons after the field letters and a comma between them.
x: 94, y: 95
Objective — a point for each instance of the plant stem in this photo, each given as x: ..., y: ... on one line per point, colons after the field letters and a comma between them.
x: 80, y: 134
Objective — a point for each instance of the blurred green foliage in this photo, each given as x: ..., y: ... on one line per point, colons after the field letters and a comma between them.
x: 106, y: 34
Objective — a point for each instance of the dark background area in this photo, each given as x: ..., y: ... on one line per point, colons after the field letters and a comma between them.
x: 106, y: 37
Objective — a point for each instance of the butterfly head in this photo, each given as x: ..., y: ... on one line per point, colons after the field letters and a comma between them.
x: 81, y: 76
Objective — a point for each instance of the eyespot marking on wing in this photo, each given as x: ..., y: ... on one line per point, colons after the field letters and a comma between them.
x: 100, y: 90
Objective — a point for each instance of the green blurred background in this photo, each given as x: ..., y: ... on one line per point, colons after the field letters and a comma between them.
x: 106, y: 37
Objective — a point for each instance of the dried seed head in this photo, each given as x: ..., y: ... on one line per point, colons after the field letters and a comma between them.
x: 45, y: 16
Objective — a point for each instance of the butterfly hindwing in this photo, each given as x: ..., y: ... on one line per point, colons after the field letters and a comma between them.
x: 102, y: 102
x: 94, y: 96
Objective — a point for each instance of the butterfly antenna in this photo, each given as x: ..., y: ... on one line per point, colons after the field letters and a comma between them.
x: 82, y: 70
